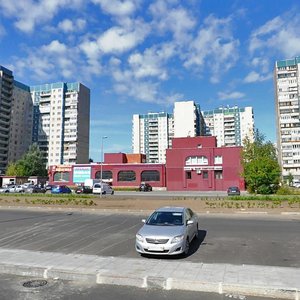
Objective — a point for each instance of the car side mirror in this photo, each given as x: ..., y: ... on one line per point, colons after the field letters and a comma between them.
x: 143, y: 220
x: 189, y: 222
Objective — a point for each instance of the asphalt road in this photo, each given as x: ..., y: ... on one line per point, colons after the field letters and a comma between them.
x: 256, y: 240
x: 11, y: 287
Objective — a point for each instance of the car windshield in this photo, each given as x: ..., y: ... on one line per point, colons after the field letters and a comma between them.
x: 165, y: 218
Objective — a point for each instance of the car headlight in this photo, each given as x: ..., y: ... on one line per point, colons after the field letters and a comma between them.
x: 139, y: 238
x: 177, y: 239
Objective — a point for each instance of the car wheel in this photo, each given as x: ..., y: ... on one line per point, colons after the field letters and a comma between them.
x: 187, y: 247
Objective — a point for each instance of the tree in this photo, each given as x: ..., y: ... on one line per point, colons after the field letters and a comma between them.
x: 261, y: 168
x: 31, y: 164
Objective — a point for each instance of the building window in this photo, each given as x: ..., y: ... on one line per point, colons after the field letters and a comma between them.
x: 205, y: 174
x: 126, y: 176
x: 62, y: 176
x: 218, y: 174
x: 196, y: 160
x: 218, y: 160
x: 151, y: 175
x: 188, y: 175
x: 105, y: 175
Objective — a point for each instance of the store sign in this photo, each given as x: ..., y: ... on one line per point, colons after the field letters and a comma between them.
x: 80, y: 174
x: 61, y: 168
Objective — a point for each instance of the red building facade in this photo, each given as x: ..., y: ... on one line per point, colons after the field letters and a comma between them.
x: 197, y: 164
x: 194, y: 164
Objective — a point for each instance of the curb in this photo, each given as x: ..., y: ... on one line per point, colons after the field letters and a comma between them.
x: 150, y: 282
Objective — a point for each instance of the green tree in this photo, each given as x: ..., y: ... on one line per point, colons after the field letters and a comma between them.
x: 261, y: 168
x: 31, y: 164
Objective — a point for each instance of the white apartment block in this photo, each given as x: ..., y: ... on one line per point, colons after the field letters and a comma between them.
x: 21, y: 122
x: 188, y: 119
x: 287, y: 99
x: 61, y: 122
x: 231, y: 125
x: 6, y: 99
x: 151, y: 135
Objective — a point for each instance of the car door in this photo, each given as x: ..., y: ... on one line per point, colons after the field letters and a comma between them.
x: 189, y: 228
x: 193, y: 227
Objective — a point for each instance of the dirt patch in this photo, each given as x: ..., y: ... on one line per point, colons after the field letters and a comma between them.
x: 200, y: 205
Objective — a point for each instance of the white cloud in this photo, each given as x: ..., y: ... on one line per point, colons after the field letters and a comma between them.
x: 177, y: 20
x: 29, y: 13
x: 230, y: 95
x: 118, y: 7
x: 256, y: 77
x: 280, y: 34
x: 152, y: 63
x: 213, y: 48
x: 53, y: 61
x: 68, y: 25
x: 120, y: 39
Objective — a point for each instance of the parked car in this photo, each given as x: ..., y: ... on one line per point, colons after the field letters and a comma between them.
x: 102, y: 188
x: 61, y: 189
x: 4, y: 189
x: 32, y: 189
x: 168, y: 231
x: 145, y: 187
x: 83, y: 190
x: 233, y: 191
x: 16, y: 189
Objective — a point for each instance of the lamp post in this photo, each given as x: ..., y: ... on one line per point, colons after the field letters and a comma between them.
x: 101, y: 165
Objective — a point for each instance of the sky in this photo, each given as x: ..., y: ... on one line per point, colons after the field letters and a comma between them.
x: 139, y: 56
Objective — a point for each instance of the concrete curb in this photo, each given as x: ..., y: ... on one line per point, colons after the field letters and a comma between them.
x: 261, y: 281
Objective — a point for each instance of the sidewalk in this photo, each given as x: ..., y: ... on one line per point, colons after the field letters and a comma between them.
x: 277, y: 282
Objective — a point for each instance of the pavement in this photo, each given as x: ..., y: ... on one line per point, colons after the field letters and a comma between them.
x: 251, y: 280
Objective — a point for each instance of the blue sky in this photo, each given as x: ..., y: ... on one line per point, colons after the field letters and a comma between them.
x: 139, y: 56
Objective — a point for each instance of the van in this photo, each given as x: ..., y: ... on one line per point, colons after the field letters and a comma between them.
x: 102, y: 188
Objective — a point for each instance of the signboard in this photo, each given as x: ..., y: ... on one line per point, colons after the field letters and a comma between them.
x: 80, y: 174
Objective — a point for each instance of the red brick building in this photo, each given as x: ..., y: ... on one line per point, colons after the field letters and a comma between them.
x: 195, y: 164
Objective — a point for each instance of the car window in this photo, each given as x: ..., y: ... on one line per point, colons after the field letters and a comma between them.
x: 165, y: 218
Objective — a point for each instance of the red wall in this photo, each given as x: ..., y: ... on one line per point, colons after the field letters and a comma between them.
x: 176, y: 174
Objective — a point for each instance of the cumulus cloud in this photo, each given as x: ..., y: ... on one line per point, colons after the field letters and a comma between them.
x: 52, y: 61
x: 177, y: 20
x: 256, y: 77
x: 68, y: 25
x: 29, y: 13
x: 122, y: 39
x: 152, y: 63
x: 280, y: 34
x: 214, y: 48
x: 118, y: 7
x: 230, y: 95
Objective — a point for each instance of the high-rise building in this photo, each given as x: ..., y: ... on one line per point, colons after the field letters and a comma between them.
x: 151, y: 135
x: 20, y: 122
x: 230, y: 125
x: 6, y: 98
x: 188, y: 119
x: 287, y: 103
x: 61, y: 120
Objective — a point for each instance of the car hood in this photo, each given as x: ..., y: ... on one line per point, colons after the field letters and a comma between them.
x: 161, y: 231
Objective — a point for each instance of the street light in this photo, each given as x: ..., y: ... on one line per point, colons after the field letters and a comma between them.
x: 101, y: 165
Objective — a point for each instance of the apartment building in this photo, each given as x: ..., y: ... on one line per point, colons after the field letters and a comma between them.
x: 152, y: 134
x: 188, y: 119
x: 230, y: 125
x: 287, y: 97
x: 20, y: 137
x: 61, y: 120
x: 6, y: 98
